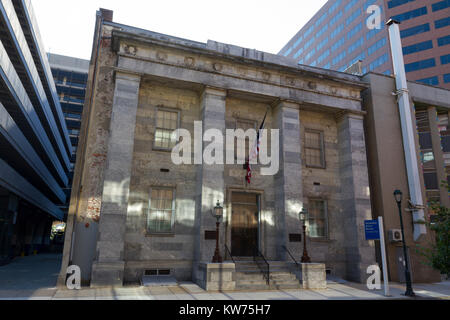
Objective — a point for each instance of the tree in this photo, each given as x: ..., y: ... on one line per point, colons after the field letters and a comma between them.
x: 438, y: 254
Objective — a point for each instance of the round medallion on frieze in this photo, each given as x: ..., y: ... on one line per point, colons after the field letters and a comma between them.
x: 189, y: 61
x: 161, y: 55
x: 312, y: 85
x: 217, y: 66
x: 130, y: 50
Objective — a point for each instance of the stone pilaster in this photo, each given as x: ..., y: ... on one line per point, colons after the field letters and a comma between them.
x: 355, y: 196
x: 288, y: 180
x: 108, y: 268
x: 210, y: 178
x: 438, y: 155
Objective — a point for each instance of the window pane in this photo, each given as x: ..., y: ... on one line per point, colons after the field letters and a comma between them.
x: 314, y: 149
x: 166, y: 123
x: 317, y: 219
x: 161, y: 210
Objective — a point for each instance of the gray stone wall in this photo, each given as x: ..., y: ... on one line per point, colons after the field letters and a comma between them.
x: 121, y: 165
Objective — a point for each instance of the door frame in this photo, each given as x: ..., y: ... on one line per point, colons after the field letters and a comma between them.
x: 229, y: 213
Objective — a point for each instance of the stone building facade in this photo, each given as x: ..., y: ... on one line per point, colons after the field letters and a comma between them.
x: 133, y: 209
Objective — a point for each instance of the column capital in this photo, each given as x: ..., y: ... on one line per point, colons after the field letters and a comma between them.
x: 357, y: 115
x: 214, y: 91
x: 129, y: 76
x: 287, y: 104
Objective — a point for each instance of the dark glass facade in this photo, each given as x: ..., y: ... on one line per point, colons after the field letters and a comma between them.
x: 70, y: 75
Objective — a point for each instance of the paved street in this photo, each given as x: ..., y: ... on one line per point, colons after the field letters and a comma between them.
x: 34, y: 278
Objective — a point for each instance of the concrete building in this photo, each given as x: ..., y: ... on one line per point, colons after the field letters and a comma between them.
x: 70, y: 75
x: 35, y: 148
x: 337, y: 37
x: 134, y: 212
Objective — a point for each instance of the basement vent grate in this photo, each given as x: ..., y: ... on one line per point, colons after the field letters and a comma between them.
x: 157, y: 272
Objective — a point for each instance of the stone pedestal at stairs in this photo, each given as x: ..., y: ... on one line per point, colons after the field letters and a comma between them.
x: 216, y: 276
x: 314, y: 276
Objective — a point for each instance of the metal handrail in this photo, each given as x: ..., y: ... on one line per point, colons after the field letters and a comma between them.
x: 292, y: 257
x: 264, y: 269
x: 229, y: 253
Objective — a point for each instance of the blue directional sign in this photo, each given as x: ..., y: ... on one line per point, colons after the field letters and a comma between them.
x: 372, y: 230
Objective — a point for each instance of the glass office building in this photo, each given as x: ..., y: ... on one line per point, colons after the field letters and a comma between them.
x: 70, y: 75
x: 338, y: 36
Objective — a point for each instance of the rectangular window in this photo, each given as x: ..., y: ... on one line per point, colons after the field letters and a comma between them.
x: 411, y: 14
x: 419, y: 65
x: 372, y: 33
x: 415, y: 30
x: 431, y: 181
x: 322, y: 44
x: 353, y: 16
x: 161, y: 210
x: 334, y: 6
x: 396, y: 3
x: 434, y: 81
x: 447, y: 78
x: 421, y: 46
x: 440, y: 5
x: 166, y: 123
x: 314, y: 149
x: 355, y: 45
x: 377, y: 45
x: 317, y: 220
x: 445, y: 59
x: 336, y: 31
x: 443, y: 41
x: 350, y: 5
x: 336, y: 18
x: 379, y: 62
x: 354, y: 31
x: 442, y: 23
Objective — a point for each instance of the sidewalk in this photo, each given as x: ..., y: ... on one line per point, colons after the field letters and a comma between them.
x: 34, y: 278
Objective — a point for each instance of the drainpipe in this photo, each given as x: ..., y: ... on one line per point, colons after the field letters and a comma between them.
x: 403, y: 99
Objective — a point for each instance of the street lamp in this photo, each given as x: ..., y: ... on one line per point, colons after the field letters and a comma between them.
x: 303, y: 216
x: 217, y: 213
x: 409, y: 290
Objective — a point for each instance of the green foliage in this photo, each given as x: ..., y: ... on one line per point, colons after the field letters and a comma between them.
x: 438, y: 255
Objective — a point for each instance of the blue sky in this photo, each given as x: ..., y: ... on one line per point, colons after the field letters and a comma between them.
x: 67, y: 26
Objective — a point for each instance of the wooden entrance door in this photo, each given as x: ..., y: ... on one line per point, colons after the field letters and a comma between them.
x: 244, y: 224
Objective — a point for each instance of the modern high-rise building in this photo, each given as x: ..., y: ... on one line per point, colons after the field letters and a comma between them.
x: 35, y: 148
x: 70, y: 75
x: 338, y: 36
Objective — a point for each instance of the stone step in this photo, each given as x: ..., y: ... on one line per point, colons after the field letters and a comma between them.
x: 259, y: 275
x: 265, y: 286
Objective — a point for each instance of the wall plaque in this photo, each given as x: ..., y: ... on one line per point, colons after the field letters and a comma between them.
x: 295, y: 237
x: 210, y: 235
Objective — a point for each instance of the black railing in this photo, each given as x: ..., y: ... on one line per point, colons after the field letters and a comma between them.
x: 292, y: 257
x: 228, y: 252
x: 262, y: 264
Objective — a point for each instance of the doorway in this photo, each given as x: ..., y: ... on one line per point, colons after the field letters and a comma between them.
x: 244, y: 224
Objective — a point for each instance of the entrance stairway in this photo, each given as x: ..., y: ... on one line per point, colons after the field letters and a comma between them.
x: 250, y: 277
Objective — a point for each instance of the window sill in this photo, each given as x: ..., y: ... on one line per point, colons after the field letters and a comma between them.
x: 320, y: 239
x: 162, y: 149
x: 160, y: 235
x: 315, y: 167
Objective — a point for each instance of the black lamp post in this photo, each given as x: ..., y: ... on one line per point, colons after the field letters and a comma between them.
x: 409, y: 290
x: 303, y: 216
x: 217, y: 213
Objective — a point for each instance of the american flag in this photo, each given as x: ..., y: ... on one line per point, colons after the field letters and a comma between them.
x: 255, y: 151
